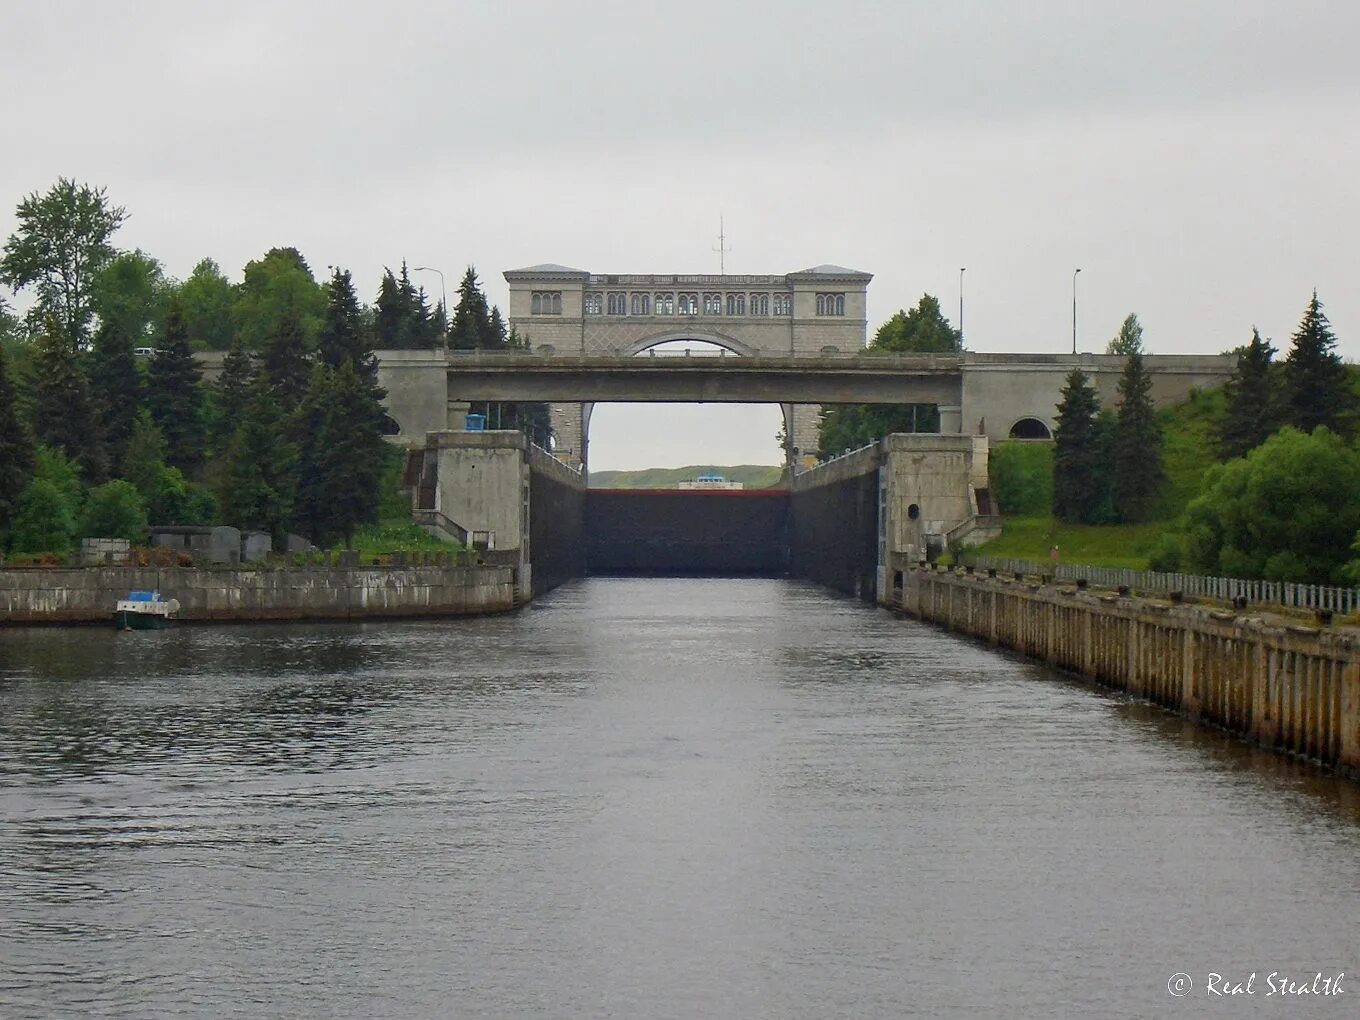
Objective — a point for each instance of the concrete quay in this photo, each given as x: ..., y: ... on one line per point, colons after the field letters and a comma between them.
x: 1285, y: 687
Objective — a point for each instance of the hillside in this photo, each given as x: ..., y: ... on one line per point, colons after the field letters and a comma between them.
x: 754, y: 476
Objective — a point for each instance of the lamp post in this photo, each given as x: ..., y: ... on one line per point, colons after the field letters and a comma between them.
x: 961, y: 271
x: 1074, y: 310
x: 443, y: 297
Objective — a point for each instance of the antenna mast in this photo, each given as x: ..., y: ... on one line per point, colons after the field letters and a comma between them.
x: 722, y: 249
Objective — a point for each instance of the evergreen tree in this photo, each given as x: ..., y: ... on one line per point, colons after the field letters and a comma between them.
x: 230, y: 395
x: 116, y: 386
x: 144, y: 461
x: 1137, y: 443
x: 499, y: 338
x: 174, y: 396
x: 439, y: 324
x: 1078, y: 487
x: 285, y: 365
x: 1315, y: 378
x: 390, y: 313
x: 314, y: 426
x: 1129, y: 339
x: 260, y: 477
x: 62, y: 411
x: 1253, y: 411
x: 471, y: 329
x: 16, y: 448
x: 342, y: 326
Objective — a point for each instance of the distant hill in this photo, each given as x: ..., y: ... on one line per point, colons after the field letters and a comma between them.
x: 754, y: 476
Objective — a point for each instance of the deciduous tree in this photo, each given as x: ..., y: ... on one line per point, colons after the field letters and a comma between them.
x: 62, y: 243
x: 1129, y: 339
x: 205, y: 300
x: 43, y: 521
x: 114, y: 510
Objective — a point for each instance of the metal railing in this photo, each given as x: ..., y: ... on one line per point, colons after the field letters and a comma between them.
x: 1226, y: 589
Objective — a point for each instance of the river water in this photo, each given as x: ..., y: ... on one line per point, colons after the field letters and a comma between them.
x: 640, y: 798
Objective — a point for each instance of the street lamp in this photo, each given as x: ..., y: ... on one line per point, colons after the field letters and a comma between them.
x: 961, y: 270
x: 1074, y: 310
x: 443, y: 297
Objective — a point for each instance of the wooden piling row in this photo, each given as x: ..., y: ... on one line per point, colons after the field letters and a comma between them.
x: 1291, y: 688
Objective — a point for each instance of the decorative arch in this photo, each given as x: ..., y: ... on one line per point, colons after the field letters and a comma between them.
x: 699, y: 336
x: 1031, y: 428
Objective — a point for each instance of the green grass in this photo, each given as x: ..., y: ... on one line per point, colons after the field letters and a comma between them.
x: 1099, y: 545
x: 397, y: 537
x: 1189, y: 447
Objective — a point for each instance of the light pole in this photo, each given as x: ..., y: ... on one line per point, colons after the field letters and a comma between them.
x: 961, y: 270
x: 1074, y: 310
x: 443, y: 297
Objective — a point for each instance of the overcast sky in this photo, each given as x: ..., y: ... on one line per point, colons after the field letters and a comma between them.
x: 1197, y: 159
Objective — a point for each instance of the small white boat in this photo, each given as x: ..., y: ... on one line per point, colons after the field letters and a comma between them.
x: 145, y: 610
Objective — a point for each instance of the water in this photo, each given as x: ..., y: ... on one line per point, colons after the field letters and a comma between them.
x: 639, y: 798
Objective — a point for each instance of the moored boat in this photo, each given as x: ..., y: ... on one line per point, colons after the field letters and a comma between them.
x: 145, y: 610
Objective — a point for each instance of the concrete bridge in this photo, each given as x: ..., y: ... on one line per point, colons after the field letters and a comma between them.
x: 1000, y: 396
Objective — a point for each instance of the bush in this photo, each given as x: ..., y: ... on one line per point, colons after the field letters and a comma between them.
x: 1285, y: 512
x: 1022, y: 478
x: 114, y: 510
x: 43, y: 521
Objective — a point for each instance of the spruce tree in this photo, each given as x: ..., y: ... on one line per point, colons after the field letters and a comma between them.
x: 62, y: 411
x: 16, y: 448
x: 1137, y: 444
x: 231, y: 395
x: 116, y: 386
x: 342, y: 326
x: 174, y: 395
x: 390, y: 314
x: 471, y: 329
x: 439, y: 324
x: 144, y: 461
x: 1316, y: 382
x: 314, y: 427
x: 260, y: 477
x: 285, y: 365
x: 1077, y: 484
x: 498, y: 338
x: 357, y: 455
x: 1253, y: 411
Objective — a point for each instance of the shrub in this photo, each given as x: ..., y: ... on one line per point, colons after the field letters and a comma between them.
x: 43, y: 521
x: 114, y: 510
x: 1022, y: 478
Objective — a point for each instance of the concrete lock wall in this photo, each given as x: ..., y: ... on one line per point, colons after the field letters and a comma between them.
x: 557, y: 508
x: 1287, y: 687
x: 858, y: 519
x: 672, y: 531
x: 39, y: 595
x: 834, y: 523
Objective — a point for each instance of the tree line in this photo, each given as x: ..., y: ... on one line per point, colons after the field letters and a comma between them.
x: 106, y: 424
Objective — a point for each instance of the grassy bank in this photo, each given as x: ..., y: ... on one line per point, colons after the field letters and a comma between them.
x: 1105, y: 545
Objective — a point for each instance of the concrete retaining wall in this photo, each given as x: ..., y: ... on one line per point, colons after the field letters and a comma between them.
x: 834, y: 524
x: 1287, y: 687
x: 557, y: 508
x: 40, y: 595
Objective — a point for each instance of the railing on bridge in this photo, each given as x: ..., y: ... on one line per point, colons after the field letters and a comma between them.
x: 1226, y: 589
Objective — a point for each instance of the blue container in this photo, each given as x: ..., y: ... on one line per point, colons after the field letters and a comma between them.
x: 476, y: 423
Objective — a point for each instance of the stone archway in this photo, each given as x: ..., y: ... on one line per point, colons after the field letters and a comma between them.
x: 1030, y: 428
x: 696, y: 336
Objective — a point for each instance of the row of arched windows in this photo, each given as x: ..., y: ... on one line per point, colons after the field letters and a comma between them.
x: 830, y: 304
x: 682, y: 303
x: 546, y: 302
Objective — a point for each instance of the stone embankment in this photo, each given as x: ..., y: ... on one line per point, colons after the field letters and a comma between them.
x: 1279, y: 684
x: 44, y: 595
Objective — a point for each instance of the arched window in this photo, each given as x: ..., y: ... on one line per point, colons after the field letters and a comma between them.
x: 594, y: 302
x: 783, y: 304
x: 736, y: 304
x: 821, y: 304
x: 556, y: 302
x: 642, y: 304
x: 712, y: 304
x: 840, y: 304
x: 1030, y: 428
x: 664, y: 304
x: 617, y: 304
x: 760, y: 304
x: 689, y: 304
x: 545, y: 302
x: 536, y: 304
